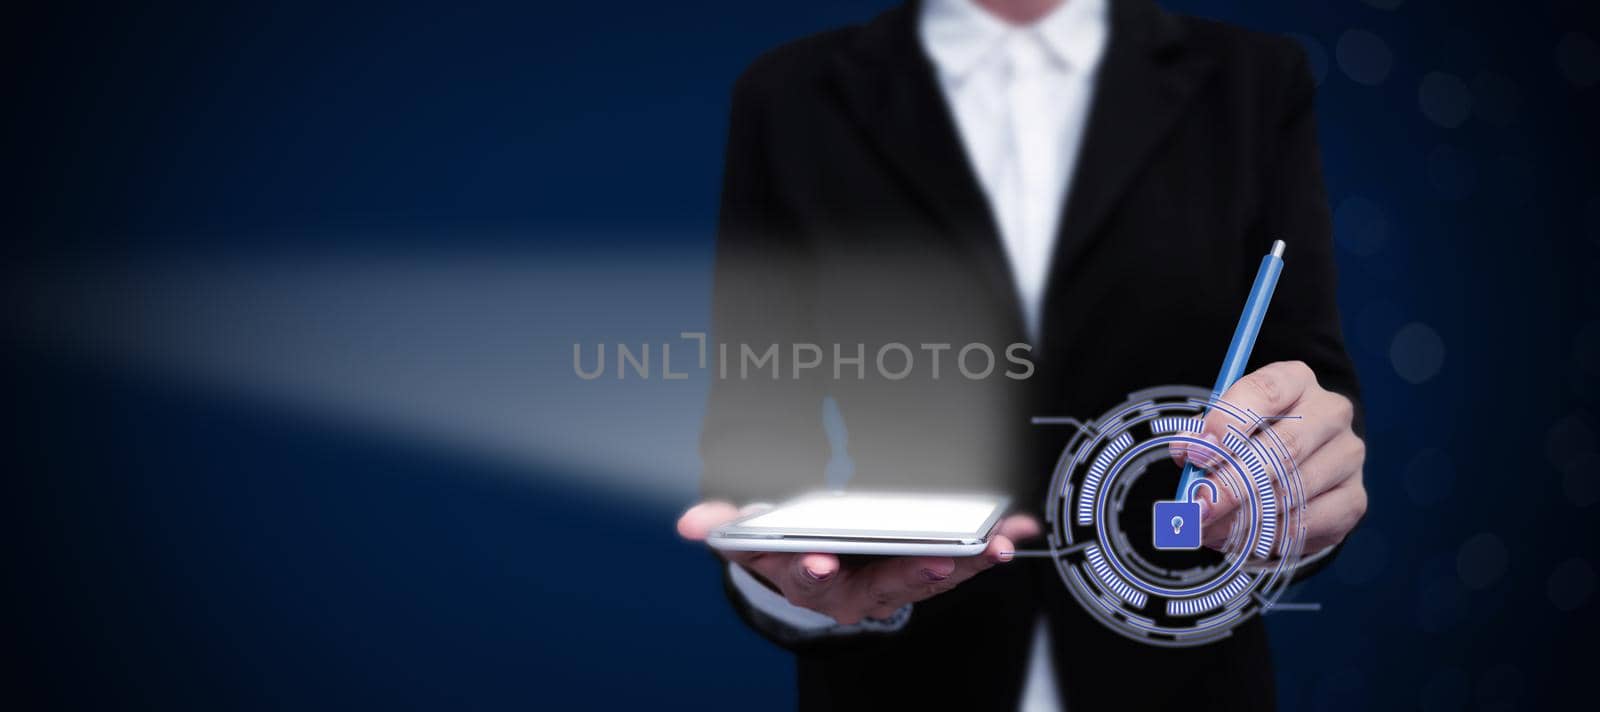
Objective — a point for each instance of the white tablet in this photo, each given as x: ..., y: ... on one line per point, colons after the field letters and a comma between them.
x: 868, y: 523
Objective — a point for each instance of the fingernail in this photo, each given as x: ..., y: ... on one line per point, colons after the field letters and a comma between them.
x: 1205, y: 511
x: 1007, y: 554
x: 932, y: 575
x: 818, y: 576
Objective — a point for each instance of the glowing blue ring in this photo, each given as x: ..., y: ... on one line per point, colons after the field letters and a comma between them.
x: 1116, y: 470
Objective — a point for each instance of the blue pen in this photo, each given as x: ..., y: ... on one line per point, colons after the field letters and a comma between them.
x: 1244, y: 339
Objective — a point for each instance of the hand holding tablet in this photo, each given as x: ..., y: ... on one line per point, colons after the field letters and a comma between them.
x: 801, y: 560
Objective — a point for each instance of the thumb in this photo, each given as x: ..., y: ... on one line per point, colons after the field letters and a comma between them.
x: 696, y: 523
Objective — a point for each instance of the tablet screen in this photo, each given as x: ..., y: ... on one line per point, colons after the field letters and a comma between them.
x: 862, y: 512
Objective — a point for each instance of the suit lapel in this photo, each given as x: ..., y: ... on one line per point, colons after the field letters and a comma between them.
x: 1146, y: 79
x: 889, y: 87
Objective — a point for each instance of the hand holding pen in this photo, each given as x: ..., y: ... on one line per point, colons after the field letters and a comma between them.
x: 1321, y: 441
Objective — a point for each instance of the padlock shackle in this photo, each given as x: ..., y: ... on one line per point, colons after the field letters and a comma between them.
x: 1207, y: 483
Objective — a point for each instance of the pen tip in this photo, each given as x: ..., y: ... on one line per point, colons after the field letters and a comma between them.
x: 1277, y: 248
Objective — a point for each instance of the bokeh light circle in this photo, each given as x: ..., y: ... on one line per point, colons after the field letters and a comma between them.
x: 1364, y: 57
x: 1444, y: 99
x: 1417, y: 352
x: 1569, y: 438
x: 1571, y: 584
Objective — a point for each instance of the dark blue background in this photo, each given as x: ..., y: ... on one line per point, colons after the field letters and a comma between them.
x: 170, y: 548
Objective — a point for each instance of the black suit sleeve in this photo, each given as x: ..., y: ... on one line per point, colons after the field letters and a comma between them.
x: 1303, y: 321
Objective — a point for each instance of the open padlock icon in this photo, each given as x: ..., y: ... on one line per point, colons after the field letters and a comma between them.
x: 1177, y: 524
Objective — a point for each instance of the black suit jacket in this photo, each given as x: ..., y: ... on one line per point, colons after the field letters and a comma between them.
x: 850, y: 216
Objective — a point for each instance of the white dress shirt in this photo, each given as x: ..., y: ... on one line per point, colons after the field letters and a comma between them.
x: 1020, y: 96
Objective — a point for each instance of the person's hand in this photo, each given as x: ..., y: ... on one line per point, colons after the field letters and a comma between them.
x: 1328, y: 452
x: 875, y: 588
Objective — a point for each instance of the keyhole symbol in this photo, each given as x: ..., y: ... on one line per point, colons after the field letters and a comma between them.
x: 1177, y: 523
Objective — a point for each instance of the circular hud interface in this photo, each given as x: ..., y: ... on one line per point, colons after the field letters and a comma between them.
x: 1126, y: 545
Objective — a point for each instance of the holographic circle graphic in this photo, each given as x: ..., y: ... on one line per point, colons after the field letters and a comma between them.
x: 1099, y: 525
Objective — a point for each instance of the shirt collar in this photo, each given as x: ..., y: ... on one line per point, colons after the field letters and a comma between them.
x: 958, y: 34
